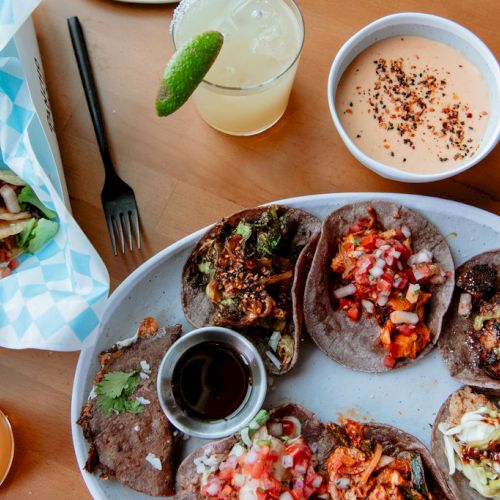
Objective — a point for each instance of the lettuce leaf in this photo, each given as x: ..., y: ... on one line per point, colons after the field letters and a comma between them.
x: 28, y: 196
x: 43, y: 231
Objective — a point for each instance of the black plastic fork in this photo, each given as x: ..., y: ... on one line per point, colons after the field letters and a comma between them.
x: 118, y: 198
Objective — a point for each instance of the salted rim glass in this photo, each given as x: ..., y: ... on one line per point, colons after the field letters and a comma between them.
x: 257, y: 86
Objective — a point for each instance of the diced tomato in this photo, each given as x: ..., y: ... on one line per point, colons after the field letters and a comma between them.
x: 403, y: 250
x: 406, y: 329
x: 297, y: 493
x: 384, y: 286
x: 368, y: 242
x: 13, y: 264
x: 226, y: 474
x: 227, y: 490
x: 399, y: 235
x: 353, y: 312
x: 410, y: 276
x: 257, y: 469
x: 402, y: 284
x: 355, y: 228
x: 345, y: 303
x: 389, y: 361
x: 288, y: 427
x: 388, y: 276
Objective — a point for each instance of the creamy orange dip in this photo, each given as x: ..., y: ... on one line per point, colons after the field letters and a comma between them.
x: 414, y: 104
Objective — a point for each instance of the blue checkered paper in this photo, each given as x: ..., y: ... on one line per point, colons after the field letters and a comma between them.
x: 55, y: 298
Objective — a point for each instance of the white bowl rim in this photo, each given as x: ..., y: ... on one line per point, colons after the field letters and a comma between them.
x: 410, y: 18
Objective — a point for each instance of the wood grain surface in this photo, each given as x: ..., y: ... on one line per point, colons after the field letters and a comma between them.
x: 186, y: 175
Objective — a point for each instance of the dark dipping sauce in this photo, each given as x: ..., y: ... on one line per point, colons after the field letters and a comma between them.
x: 210, y: 380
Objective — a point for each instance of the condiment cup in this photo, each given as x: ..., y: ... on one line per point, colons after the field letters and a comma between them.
x: 7, y: 450
x: 435, y: 28
x: 211, y: 429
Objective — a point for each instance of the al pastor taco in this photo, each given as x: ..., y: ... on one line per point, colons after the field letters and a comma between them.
x: 290, y: 454
x: 248, y: 273
x: 380, y: 283
x: 470, y: 340
x: 466, y: 443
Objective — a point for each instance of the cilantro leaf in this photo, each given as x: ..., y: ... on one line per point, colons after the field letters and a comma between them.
x: 114, y: 390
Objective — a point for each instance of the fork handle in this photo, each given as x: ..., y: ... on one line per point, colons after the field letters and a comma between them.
x: 82, y: 58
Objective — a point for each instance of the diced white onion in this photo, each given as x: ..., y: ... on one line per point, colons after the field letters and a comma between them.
x: 384, y: 460
x: 376, y: 272
x: 252, y: 457
x: 465, y: 304
x: 378, y: 252
x: 385, y: 247
x: 10, y: 199
x: 389, y: 260
x: 397, y: 281
x: 380, y: 263
x: 275, y: 429
x: 369, y: 307
x: 274, y: 340
x: 357, y: 254
x: 412, y: 293
x: 301, y: 469
x: 417, y: 273
x: 213, y: 488
x: 398, y: 317
x: 400, y: 266
x: 342, y: 483
x: 287, y: 461
x: 382, y: 299
x: 395, y: 253
x: 274, y: 360
x: 344, y: 291
x: 317, y: 482
x: 239, y: 480
x: 406, y: 231
x: 420, y: 257
x: 365, y: 265
x: 285, y: 496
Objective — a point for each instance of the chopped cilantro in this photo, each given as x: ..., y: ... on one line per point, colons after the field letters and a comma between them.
x: 356, y: 242
x: 416, y: 292
x: 401, y: 296
x: 114, y: 390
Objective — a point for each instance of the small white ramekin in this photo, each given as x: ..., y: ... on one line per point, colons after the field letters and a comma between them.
x: 439, y: 29
x: 212, y: 429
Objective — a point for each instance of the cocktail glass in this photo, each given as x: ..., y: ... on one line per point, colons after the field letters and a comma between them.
x: 247, y: 89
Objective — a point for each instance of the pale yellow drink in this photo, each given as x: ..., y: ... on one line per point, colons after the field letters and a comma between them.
x: 247, y: 89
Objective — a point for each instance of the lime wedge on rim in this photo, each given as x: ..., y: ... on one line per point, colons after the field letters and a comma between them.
x: 186, y: 70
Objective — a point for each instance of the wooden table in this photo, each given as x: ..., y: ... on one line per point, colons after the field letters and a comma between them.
x: 187, y: 175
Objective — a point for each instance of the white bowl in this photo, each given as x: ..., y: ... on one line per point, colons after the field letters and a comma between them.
x: 435, y: 28
x: 212, y: 429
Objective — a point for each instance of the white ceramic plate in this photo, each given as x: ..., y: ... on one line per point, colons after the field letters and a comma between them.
x: 408, y: 398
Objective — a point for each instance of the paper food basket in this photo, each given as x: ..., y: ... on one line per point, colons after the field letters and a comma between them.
x: 55, y: 299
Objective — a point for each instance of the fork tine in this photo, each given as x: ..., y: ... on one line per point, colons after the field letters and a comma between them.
x: 126, y: 218
x: 111, y: 231
x: 135, y: 223
x: 119, y: 230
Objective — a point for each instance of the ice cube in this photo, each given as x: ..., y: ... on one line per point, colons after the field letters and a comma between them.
x: 249, y: 12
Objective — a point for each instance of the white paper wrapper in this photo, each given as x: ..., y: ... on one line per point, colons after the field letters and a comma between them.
x: 55, y: 299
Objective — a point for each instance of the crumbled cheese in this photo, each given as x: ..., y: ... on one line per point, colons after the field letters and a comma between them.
x: 92, y: 394
x: 144, y: 376
x: 127, y: 342
x: 145, y: 366
x: 137, y: 428
x: 142, y: 401
x: 154, y: 461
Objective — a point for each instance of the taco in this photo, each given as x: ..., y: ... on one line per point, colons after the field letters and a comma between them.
x: 380, y: 283
x: 130, y: 438
x: 378, y: 461
x: 290, y: 454
x: 466, y: 443
x: 470, y: 340
x: 248, y: 273
x: 26, y: 224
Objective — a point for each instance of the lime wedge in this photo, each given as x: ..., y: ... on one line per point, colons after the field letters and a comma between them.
x: 186, y: 70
